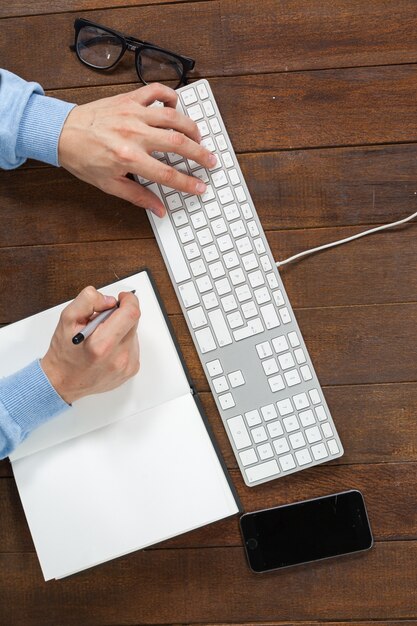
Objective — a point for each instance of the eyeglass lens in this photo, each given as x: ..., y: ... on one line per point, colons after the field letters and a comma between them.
x: 157, y: 66
x: 97, y: 47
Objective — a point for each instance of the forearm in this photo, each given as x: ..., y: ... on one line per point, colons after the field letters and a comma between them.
x: 30, y: 122
x: 27, y: 400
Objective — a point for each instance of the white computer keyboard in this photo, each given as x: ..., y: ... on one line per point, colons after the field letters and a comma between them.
x: 237, y: 311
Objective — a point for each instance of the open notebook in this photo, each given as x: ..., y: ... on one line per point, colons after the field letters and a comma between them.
x: 121, y: 470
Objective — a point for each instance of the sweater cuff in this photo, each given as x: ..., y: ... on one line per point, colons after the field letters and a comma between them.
x: 30, y: 398
x: 40, y: 128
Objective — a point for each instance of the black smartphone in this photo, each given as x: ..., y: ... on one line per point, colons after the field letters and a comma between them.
x: 306, y: 531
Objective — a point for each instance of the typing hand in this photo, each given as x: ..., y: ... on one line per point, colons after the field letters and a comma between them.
x: 103, y: 141
x: 106, y: 359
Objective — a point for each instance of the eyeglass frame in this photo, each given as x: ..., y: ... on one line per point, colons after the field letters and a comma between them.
x: 133, y: 45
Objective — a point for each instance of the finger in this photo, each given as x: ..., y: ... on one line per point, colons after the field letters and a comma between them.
x: 136, y: 194
x: 166, y: 175
x: 117, y: 326
x: 148, y: 94
x: 88, y: 301
x: 174, y: 141
x: 172, y: 119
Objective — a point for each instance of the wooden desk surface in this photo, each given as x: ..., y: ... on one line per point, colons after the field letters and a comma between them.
x: 320, y: 99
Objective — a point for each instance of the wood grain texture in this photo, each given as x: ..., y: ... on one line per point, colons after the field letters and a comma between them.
x: 211, y: 585
x: 320, y: 102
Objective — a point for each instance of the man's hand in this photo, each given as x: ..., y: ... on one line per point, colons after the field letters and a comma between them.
x: 103, y: 141
x: 106, y: 359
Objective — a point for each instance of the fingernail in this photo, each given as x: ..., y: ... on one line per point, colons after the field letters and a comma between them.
x: 109, y: 300
x: 212, y: 159
x: 200, y: 187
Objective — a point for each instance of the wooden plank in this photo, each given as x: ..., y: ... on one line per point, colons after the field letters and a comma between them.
x: 21, y: 8
x: 123, y: 591
x: 376, y: 269
x: 291, y: 190
x: 348, y: 345
x: 167, y: 25
x: 342, y: 107
x: 376, y: 423
x: 392, y: 511
x: 302, y: 34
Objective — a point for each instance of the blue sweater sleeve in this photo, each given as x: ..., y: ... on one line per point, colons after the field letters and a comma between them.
x: 27, y: 400
x: 30, y: 122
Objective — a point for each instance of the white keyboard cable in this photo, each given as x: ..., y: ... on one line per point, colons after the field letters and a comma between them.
x: 341, y: 241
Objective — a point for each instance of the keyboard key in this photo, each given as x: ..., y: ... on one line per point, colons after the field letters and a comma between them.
x: 265, y: 262
x: 314, y: 396
x: 215, y: 125
x: 198, y: 267
x: 225, y: 243
x: 327, y: 430
x: 261, y: 471
x: 239, y: 432
x: 256, y: 278
x: 208, y: 108
x: 243, y: 293
x: 219, y: 327
x: 219, y: 179
x: 247, y: 214
x: 297, y: 440
x: 210, y: 253
x: 226, y: 401
x: 208, y: 144
x: 204, y: 236
x: 173, y: 157
x: 272, y: 280
x: 237, y: 229
x: 287, y: 462
x: 264, y: 349
x: 300, y: 356
x: 307, y: 418
x: 286, y: 361
x: 291, y: 423
x: 294, y: 341
x: 231, y: 212
x: 202, y: 91
x: 180, y: 218
x: 303, y: 457
x: 306, y: 372
x: 253, y: 418
x: 221, y: 142
x: 201, y: 174
x: 223, y: 286
x: 292, y: 378
x: 236, y: 379
x: 240, y: 194
x: 284, y: 407
x: 313, y: 434
x: 203, y: 128
x: 269, y: 315
x: 217, y: 270
x: 225, y: 195
x: 186, y: 234
x: 231, y: 260
x: 198, y: 219
x: 319, y: 451
x: 276, y: 383
x: 254, y: 327
x: 300, y: 401
x: 213, y: 210
x: 250, y: 262
x: 220, y: 384
x: 189, y: 96
x: 278, y: 298
x: 234, y: 177
x: 265, y: 451
x: 280, y: 344
x: 192, y: 203
x: 259, y: 434
x: 262, y: 295
x: 189, y: 294
x: 197, y: 317
x: 281, y: 445
x: 275, y: 429
x: 219, y: 226
x: 254, y: 232
x: 195, y: 112
x: 244, y: 245
x: 227, y: 159
x: 214, y: 367
x: 258, y: 243
x: 333, y: 447
x: 270, y: 366
x: 321, y: 413
x: 229, y: 303
x: 210, y: 300
x: 285, y: 315
x: 205, y: 340
x: 192, y: 251
x: 174, y: 202
x: 204, y: 284
x: 249, y: 308
x: 208, y: 194
x: 248, y: 457
x: 269, y: 412
x: 235, y: 319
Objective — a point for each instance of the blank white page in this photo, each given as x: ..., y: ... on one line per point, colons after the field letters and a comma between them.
x: 123, y: 487
x: 161, y: 376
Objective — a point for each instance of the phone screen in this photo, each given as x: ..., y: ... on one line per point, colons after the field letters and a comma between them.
x: 306, y: 531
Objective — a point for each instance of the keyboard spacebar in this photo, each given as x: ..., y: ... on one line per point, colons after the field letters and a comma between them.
x: 169, y: 242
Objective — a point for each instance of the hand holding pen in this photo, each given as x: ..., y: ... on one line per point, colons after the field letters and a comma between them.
x: 107, y: 359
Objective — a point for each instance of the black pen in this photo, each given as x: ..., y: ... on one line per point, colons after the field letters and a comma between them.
x: 92, y: 325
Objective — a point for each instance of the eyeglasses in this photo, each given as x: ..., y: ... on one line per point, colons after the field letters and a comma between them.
x: 102, y: 48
